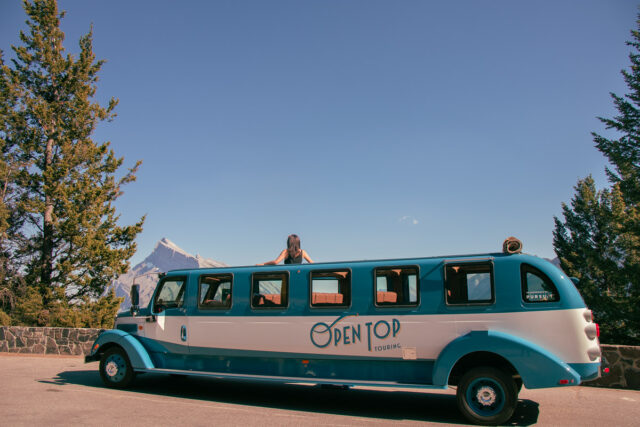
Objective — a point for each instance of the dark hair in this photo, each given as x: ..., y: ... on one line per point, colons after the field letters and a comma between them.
x: 293, y: 245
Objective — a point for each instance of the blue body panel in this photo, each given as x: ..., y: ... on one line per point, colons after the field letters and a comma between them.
x: 272, y: 363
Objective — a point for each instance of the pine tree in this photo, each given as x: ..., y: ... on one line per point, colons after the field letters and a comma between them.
x: 599, y: 240
x: 593, y: 247
x: 624, y: 152
x: 10, y: 218
x: 69, y: 241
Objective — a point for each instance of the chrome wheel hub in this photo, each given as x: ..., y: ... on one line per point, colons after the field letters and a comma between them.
x: 111, y: 369
x: 486, y: 396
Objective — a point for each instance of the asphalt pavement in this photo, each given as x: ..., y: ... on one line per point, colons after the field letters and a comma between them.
x: 47, y: 390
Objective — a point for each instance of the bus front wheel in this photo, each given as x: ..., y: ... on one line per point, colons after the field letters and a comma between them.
x: 487, y: 396
x: 115, y: 368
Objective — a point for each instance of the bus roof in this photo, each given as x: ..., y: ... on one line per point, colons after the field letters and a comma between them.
x: 330, y: 264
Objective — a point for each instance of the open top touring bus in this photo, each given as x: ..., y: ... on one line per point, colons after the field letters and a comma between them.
x: 487, y: 324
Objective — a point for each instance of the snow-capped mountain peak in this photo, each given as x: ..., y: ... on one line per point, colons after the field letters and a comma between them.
x: 168, y: 243
x: 165, y: 256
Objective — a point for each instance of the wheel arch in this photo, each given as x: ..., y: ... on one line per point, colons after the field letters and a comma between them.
x: 536, y: 366
x: 478, y: 359
x: 137, y: 354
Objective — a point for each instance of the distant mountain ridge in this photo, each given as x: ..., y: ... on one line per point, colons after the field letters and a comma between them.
x: 165, y: 256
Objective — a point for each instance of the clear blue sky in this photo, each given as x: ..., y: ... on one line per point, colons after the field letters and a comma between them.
x: 373, y: 129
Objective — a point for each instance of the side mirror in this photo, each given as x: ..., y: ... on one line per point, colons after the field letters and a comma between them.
x: 135, y: 299
x: 575, y: 280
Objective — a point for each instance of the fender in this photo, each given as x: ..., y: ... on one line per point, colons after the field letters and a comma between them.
x: 537, y: 367
x: 138, y: 355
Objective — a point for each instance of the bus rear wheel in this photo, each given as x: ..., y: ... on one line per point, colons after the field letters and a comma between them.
x: 115, y: 368
x: 487, y: 396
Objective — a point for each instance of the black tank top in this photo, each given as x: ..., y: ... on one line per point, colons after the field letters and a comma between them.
x: 294, y: 260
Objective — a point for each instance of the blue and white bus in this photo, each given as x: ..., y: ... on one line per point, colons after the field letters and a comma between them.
x: 487, y: 324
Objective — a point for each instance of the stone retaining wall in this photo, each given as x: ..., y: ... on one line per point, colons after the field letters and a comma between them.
x: 624, y: 361
x: 624, y: 367
x: 70, y: 341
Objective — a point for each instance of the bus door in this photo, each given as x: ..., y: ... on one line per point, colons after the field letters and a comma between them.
x: 166, y: 335
x: 209, y: 324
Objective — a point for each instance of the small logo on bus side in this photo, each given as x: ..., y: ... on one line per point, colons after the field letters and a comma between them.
x: 322, y: 335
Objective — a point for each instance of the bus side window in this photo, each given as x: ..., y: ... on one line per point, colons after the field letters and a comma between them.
x: 536, y: 286
x: 331, y: 288
x: 469, y: 283
x: 270, y: 290
x: 214, y: 291
x: 396, y: 286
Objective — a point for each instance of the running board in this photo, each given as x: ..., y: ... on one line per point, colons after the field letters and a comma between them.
x: 268, y: 378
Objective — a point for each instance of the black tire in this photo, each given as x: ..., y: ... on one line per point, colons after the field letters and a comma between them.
x: 518, y: 385
x: 487, y: 396
x: 115, y: 368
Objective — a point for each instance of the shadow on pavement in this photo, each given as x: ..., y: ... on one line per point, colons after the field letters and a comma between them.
x: 355, y: 402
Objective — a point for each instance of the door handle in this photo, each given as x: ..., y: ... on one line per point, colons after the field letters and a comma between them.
x: 183, y: 333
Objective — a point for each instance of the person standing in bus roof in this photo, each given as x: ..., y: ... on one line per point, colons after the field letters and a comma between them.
x: 293, y: 254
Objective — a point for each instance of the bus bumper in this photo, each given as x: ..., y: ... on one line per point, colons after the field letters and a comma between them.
x: 91, y: 358
x: 589, y: 371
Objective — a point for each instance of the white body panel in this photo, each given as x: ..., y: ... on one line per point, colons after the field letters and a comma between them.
x: 560, y: 332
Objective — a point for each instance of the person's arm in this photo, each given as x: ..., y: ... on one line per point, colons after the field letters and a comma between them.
x: 278, y: 260
x: 305, y: 255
